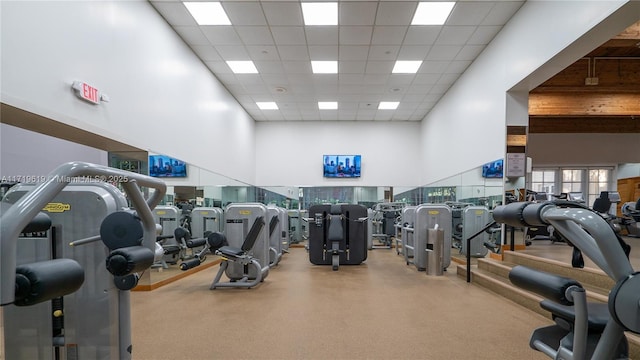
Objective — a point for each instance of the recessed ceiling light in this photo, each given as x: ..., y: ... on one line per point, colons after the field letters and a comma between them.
x: 320, y: 13
x: 388, y: 105
x: 327, y: 105
x: 208, y: 13
x: 406, y: 67
x: 324, y: 67
x: 267, y: 105
x: 242, y: 67
x: 432, y: 13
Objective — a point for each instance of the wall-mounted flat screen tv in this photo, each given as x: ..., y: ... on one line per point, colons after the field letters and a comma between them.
x: 341, y: 166
x: 493, y: 169
x: 166, y: 166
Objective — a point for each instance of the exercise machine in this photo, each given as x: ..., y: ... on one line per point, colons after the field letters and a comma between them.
x: 408, y: 219
x: 70, y: 251
x: 427, y: 217
x: 581, y: 330
x: 298, y: 226
x: 337, y: 235
x: 474, y: 218
x: 275, y: 235
x: 631, y: 218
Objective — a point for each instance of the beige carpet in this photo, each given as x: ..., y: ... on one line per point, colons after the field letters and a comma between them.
x: 382, y: 309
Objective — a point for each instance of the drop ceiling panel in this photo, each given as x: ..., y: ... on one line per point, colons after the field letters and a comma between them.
x: 370, y: 37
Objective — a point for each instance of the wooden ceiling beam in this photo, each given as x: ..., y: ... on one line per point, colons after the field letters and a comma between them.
x: 584, y: 124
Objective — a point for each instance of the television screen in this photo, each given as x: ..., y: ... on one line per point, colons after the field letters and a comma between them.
x: 493, y: 169
x: 165, y: 166
x: 341, y: 166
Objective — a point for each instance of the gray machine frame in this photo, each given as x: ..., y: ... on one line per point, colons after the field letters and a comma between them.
x: 204, y: 219
x: 406, y: 233
x: 475, y: 218
x: 275, y: 236
x: 431, y: 216
x: 87, y: 339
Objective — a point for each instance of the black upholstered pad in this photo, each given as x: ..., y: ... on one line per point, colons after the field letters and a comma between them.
x: 231, y: 251
x: 598, y: 313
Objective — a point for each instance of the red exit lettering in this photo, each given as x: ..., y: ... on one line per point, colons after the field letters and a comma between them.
x: 90, y: 93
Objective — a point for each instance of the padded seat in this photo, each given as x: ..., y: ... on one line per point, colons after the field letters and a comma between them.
x: 598, y: 313
x: 231, y: 251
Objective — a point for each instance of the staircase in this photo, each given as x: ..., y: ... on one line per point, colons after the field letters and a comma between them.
x: 493, y: 275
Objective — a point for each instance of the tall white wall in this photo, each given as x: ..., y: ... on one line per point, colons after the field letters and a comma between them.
x: 467, y: 126
x: 28, y: 155
x: 163, y: 99
x: 290, y: 152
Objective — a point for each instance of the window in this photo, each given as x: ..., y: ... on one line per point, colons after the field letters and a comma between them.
x: 571, y: 180
x: 543, y: 181
x: 598, y: 181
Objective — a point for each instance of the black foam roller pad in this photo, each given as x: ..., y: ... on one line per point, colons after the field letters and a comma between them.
x: 121, y: 229
x: 217, y: 240
x: 45, y: 280
x: 551, y: 286
x: 41, y: 222
x: 510, y: 214
x: 196, y: 242
x: 125, y: 261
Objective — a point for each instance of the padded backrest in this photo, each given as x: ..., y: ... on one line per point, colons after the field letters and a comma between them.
x: 336, y: 231
x: 273, y: 223
x: 602, y: 205
x: 252, y: 236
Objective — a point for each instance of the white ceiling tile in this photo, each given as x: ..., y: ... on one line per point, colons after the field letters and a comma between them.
x: 311, y: 104
x: 175, y: 13
x: 300, y: 79
x: 455, y: 35
x: 326, y: 89
x: 353, y: 67
x: 297, y: 67
x: 483, y: 35
x: 395, y: 13
x: 192, y: 35
x: 369, y: 104
x: 272, y: 115
x: 219, y: 67
x: 448, y: 79
x: 283, y: 13
x: 347, y: 105
x: 269, y: 67
x: 244, y: 13
x: 254, y: 35
x: 288, y: 35
x: 439, y: 89
x: 502, y: 12
x: 353, y: 52
x: 328, y: 114
x: 422, y: 35
x: 242, y: 99
x: 378, y: 79
x: 430, y: 98
x: 413, y: 97
x: 221, y: 35
x: 422, y: 90
x: 354, y: 89
x: 424, y: 79
x: 275, y: 80
x: 379, y: 67
x: 383, y: 52
x: 366, y: 114
x: 350, y: 79
x: 291, y: 115
x: 322, y: 35
x: 457, y: 67
x: 250, y: 79
x: 263, y: 52
x: 310, y: 115
x: 357, y: 13
x: 233, y: 52
x: 434, y: 67
x: 396, y: 80
x: 355, y: 35
x: 469, y: 52
x: 375, y: 89
x: 413, y: 52
x: 347, y: 115
x: 469, y: 12
x: 323, y: 52
x: 388, y: 35
x: 443, y: 52
x: 293, y: 52
x: 384, y: 115
x: 227, y: 78
x: 206, y: 52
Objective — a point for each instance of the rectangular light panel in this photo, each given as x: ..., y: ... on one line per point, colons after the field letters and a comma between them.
x: 432, y: 13
x: 267, y: 105
x: 327, y: 105
x: 208, y: 13
x: 324, y: 67
x: 242, y: 67
x: 320, y: 13
x: 388, y: 105
x: 406, y: 67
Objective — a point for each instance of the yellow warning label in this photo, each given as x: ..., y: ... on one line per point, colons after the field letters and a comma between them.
x: 434, y: 212
x: 244, y: 212
x: 161, y: 212
x: 479, y: 212
x: 57, y: 207
x: 205, y: 213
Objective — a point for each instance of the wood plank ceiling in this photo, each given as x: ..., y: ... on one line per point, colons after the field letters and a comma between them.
x: 599, y: 93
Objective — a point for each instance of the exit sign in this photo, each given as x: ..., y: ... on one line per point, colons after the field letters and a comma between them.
x: 86, y: 92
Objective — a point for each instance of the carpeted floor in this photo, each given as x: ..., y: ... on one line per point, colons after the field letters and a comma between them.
x: 382, y: 309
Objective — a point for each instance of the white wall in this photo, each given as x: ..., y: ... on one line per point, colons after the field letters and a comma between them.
x: 27, y: 154
x: 583, y: 149
x: 628, y: 171
x: 163, y: 99
x: 290, y: 152
x: 467, y: 127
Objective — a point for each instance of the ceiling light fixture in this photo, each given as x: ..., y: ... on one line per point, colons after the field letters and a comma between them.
x: 406, y: 66
x: 208, y: 13
x: 242, y: 67
x: 320, y: 13
x: 388, y: 105
x: 327, y: 105
x: 432, y: 13
x: 267, y: 105
x: 324, y: 67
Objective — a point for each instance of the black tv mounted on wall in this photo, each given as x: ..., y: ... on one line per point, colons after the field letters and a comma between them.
x: 166, y: 166
x: 493, y: 169
x: 341, y: 166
